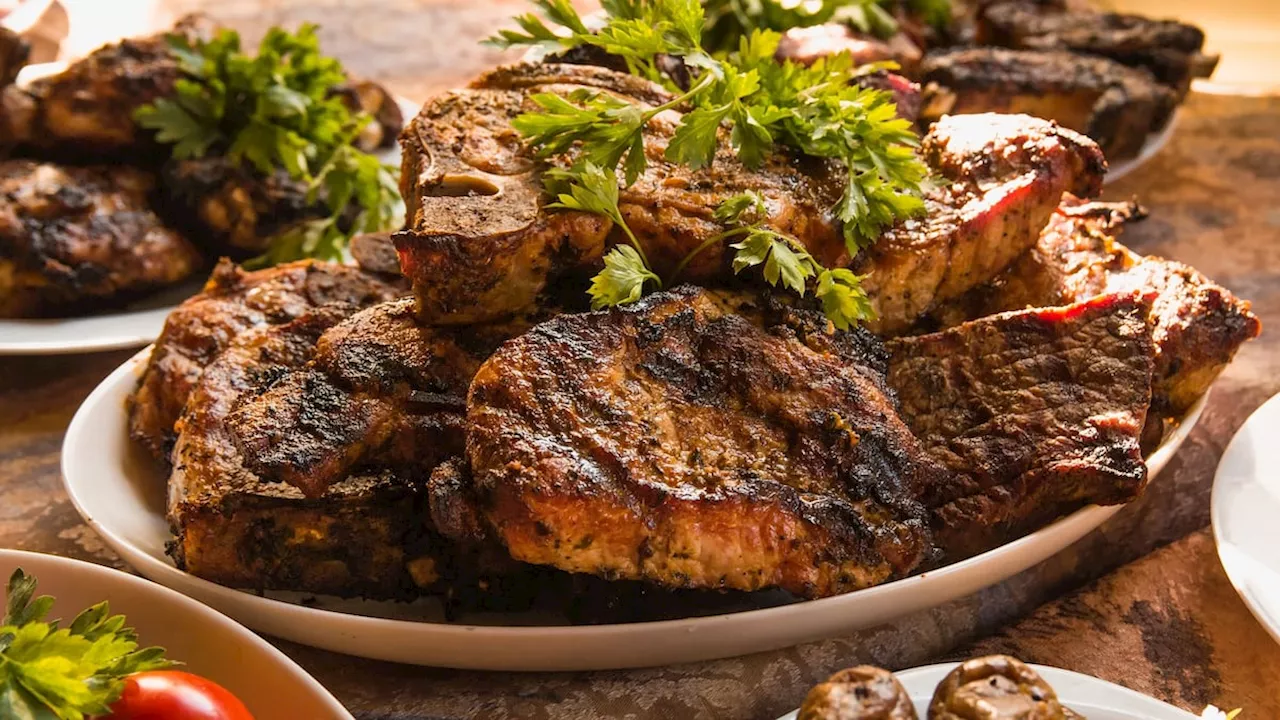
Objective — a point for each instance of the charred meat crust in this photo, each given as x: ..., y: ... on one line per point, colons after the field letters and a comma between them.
x: 1034, y: 414
x: 233, y: 301
x: 635, y: 443
x: 364, y: 536
x: 1003, y: 175
x: 1197, y: 324
x: 88, y: 109
x: 381, y: 391
x: 76, y: 239
x: 1117, y: 106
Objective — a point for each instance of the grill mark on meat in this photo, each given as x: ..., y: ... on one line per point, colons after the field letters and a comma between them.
x: 1005, y: 174
x: 381, y: 391
x: 1035, y: 413
x: 232, y: 302
x: 80, y: 239
x: 679, y: 442
x: 363, y: 536
x: 1197, y: 325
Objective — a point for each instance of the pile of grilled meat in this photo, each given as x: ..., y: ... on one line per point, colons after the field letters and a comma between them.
x: 93, y: 214
x: 349, y: 431
x: 1112, y: 76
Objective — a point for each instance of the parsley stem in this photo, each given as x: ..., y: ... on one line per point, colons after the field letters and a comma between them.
x: 635, y: 243
x: 719, y: 237
x: 703, y: 83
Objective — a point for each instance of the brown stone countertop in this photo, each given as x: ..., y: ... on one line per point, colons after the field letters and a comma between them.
x: 1165, y: 622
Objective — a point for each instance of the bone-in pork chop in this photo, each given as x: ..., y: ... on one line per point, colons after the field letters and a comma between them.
x: 480, y: 242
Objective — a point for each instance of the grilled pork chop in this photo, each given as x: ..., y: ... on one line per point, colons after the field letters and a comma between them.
x: 233, y: 301
x: 699, y: 440
x: 75, y: 239
x: 1005, y: 174
x: 1197, y: 325
x: 1171, y: 51
x: 1034, y: 414
x: 87, y: 110
x: 301, y: 435
x: 363, y: 536
x: 1117, y: 106
x: 382, y: 389
x: 480, y: 243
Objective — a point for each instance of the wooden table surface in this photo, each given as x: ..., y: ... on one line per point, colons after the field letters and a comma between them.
x: 1142, y: 602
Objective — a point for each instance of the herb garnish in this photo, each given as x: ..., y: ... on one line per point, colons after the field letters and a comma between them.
x: 66, y: 673
x: 277, y: 110
x: 761, y: 102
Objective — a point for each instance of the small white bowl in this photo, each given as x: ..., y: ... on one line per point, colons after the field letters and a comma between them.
x: 207, y: 642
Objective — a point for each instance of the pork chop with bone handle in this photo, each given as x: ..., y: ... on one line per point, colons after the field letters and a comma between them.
x: 480, y: 242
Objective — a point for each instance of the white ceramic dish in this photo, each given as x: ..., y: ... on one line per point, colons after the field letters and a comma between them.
x: 210, y: 644
x: 1095, y: 699
x: 129, y: 327
x: 1245, y: 507
x: 121, y: 496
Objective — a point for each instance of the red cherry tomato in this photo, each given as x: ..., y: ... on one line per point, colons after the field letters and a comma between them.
x: 175, y: 695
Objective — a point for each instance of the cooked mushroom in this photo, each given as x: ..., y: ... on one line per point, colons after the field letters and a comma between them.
x: 996, y: 687
x: 859, y: 693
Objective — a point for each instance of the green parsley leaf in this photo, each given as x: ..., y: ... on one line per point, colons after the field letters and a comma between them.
x: 623, y: 279
x: 66, y: 673
x: 276, y: 110
x: 783, y: 262
x: 844, y: 302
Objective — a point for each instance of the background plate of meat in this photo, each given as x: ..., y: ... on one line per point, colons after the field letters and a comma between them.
x: 119, y: 490
x: 1088, y: 696
x: 99, y: 291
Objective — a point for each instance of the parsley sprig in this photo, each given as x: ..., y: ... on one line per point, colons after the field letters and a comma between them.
x: 276, y: 110
x: 756, y: 101
x: 785, y: 261
x: 66, y: 673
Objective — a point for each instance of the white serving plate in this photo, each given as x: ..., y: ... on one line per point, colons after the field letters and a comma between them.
x: 118, y: 491
x: 132, y: 326
x: 207, y: 642
x: 1245, y: 510
x: 1095, y: 699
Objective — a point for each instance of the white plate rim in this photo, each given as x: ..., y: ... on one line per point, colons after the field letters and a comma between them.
x: 1233, y: 547
x: 115, y: 330
x: 1073, y: 688
x: 569, y: 648
x: 38, y: 564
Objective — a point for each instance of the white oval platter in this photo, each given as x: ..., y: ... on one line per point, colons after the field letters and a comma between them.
x: 131, y: 326
x: 1245, y: 506
x: 1093, y: 698
x: 118, y: 491
x: 207, y: 642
